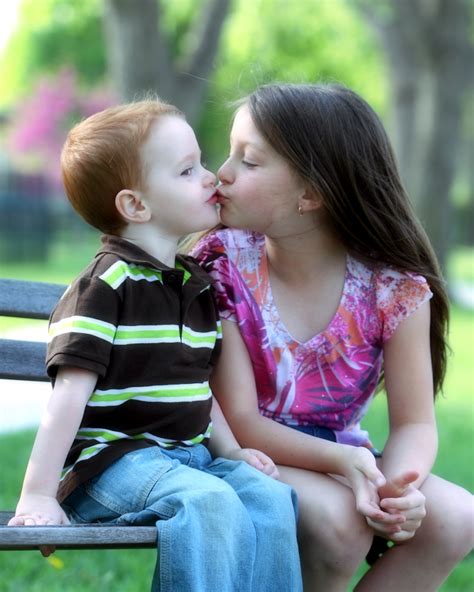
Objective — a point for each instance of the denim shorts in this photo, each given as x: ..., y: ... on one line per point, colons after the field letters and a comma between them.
x: 327, y: 434
x: 317, y: 431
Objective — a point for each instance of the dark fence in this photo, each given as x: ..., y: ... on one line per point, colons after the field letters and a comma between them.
x: 26, y: 223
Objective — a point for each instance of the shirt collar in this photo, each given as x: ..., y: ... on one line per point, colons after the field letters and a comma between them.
x: 131, y: 253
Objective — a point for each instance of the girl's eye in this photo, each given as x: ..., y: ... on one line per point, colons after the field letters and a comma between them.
x: 249, y: 165
x: 187, y: 172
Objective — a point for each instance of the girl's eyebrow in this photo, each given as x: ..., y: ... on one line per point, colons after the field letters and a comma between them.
x: 255, y: 145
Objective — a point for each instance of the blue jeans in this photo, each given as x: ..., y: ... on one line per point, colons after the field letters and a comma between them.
x: 222, y: 525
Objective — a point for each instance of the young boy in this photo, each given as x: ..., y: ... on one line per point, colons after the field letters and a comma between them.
x: 132, y: 344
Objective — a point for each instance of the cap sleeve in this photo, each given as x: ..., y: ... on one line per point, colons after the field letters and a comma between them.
x: 211, y: 254
x: 398, y: 296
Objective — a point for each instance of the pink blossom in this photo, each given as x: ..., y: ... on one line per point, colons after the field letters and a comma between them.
x: 41, y: 122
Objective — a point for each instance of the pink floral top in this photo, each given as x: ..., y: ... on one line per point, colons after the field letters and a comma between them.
x: 329, y: 380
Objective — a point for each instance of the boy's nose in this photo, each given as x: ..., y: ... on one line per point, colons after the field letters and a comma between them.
x: 210, y: 178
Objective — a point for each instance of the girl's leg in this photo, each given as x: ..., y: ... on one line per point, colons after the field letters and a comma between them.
x: 444, y: 538
x: 206, y: 538
x: 271, y: 506
x: 333, y: 537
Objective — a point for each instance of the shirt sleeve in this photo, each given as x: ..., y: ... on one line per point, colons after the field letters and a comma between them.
x: 210, y: 252
x: 82, y: 327
x: 398, y: 296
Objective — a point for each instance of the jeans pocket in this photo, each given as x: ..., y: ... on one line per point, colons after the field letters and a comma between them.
x: 81, y: 508
x: 125, y: 486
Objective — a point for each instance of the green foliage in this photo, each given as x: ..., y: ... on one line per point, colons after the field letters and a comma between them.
x: 304, y: 41
x: 263, y: 40
x: 53, y: 34
x: 462, y: 264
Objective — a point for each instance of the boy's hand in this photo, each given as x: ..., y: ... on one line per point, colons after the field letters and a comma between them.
x: 39, y: 510
x: 256, y: 459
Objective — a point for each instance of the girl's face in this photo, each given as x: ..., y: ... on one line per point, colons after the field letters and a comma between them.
x: 259, y: 190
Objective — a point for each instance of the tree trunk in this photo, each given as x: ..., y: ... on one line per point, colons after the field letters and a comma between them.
x: 428, y: 52
x: 140, y: 59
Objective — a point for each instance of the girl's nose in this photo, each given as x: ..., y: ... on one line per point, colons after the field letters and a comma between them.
x: 224, y: 173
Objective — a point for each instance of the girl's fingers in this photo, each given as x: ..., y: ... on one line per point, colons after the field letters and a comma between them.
x: 415, y: 503
x: 397, y: 486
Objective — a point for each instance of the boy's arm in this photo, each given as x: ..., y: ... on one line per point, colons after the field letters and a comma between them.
x: 59, y: 425
x: 223, y: 443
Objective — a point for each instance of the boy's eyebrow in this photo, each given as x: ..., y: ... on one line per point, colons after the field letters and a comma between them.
x: 190, y: 156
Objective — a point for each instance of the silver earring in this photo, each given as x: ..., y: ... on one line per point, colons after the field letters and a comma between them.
x: 300, y: 210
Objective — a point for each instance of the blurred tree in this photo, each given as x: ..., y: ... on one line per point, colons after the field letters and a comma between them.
x: 430, y: 55
x: 141, y: 57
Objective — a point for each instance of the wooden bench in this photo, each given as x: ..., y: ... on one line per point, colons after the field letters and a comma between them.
x: 25, y: 360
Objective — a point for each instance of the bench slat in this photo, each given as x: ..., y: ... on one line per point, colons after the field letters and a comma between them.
x: 22, y: 360
x: 78, y: 536
x: 24, y: 538
x: 31, y: 300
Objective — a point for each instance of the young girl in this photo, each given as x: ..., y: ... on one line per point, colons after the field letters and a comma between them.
x: 327, y: 285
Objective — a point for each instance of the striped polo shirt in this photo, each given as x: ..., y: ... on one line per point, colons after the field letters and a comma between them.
x: 152, y: 334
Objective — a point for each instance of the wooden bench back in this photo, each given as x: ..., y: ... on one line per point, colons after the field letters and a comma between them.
x: 25, y: 360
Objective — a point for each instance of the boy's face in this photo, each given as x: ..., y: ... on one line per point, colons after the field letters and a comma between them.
x: 179, y: 191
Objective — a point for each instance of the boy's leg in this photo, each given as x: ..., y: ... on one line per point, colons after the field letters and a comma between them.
x: 206, y: 539
x: 271, y: 505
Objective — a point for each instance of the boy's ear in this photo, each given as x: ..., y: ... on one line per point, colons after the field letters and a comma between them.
x: 131, y: 206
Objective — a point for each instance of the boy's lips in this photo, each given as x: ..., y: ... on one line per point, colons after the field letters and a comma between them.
x: 213, y: 199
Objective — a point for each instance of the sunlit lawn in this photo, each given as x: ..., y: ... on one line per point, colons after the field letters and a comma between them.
x: 131, y: 570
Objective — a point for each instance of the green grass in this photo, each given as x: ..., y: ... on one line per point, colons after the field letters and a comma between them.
x: 65, y: 261
x: 131, y: 571
x: 455, y: 415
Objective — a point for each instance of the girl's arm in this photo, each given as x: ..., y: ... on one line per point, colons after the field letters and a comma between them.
x: 234, y: 386
x: 223, y: 443
x: 412, y: 442
x: 60, y: 422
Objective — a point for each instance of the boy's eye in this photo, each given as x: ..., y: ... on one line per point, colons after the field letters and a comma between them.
x: 187, y: 172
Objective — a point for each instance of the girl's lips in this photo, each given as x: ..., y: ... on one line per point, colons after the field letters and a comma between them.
x: 220, y: 197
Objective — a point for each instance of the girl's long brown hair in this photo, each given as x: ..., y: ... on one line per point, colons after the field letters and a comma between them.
x: 339, y: 147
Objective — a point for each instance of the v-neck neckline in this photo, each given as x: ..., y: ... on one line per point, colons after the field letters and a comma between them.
x: 274, y: 309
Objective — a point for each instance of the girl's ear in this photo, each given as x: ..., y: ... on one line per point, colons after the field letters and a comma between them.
x: 309, y: 202
x: 131, y: 207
